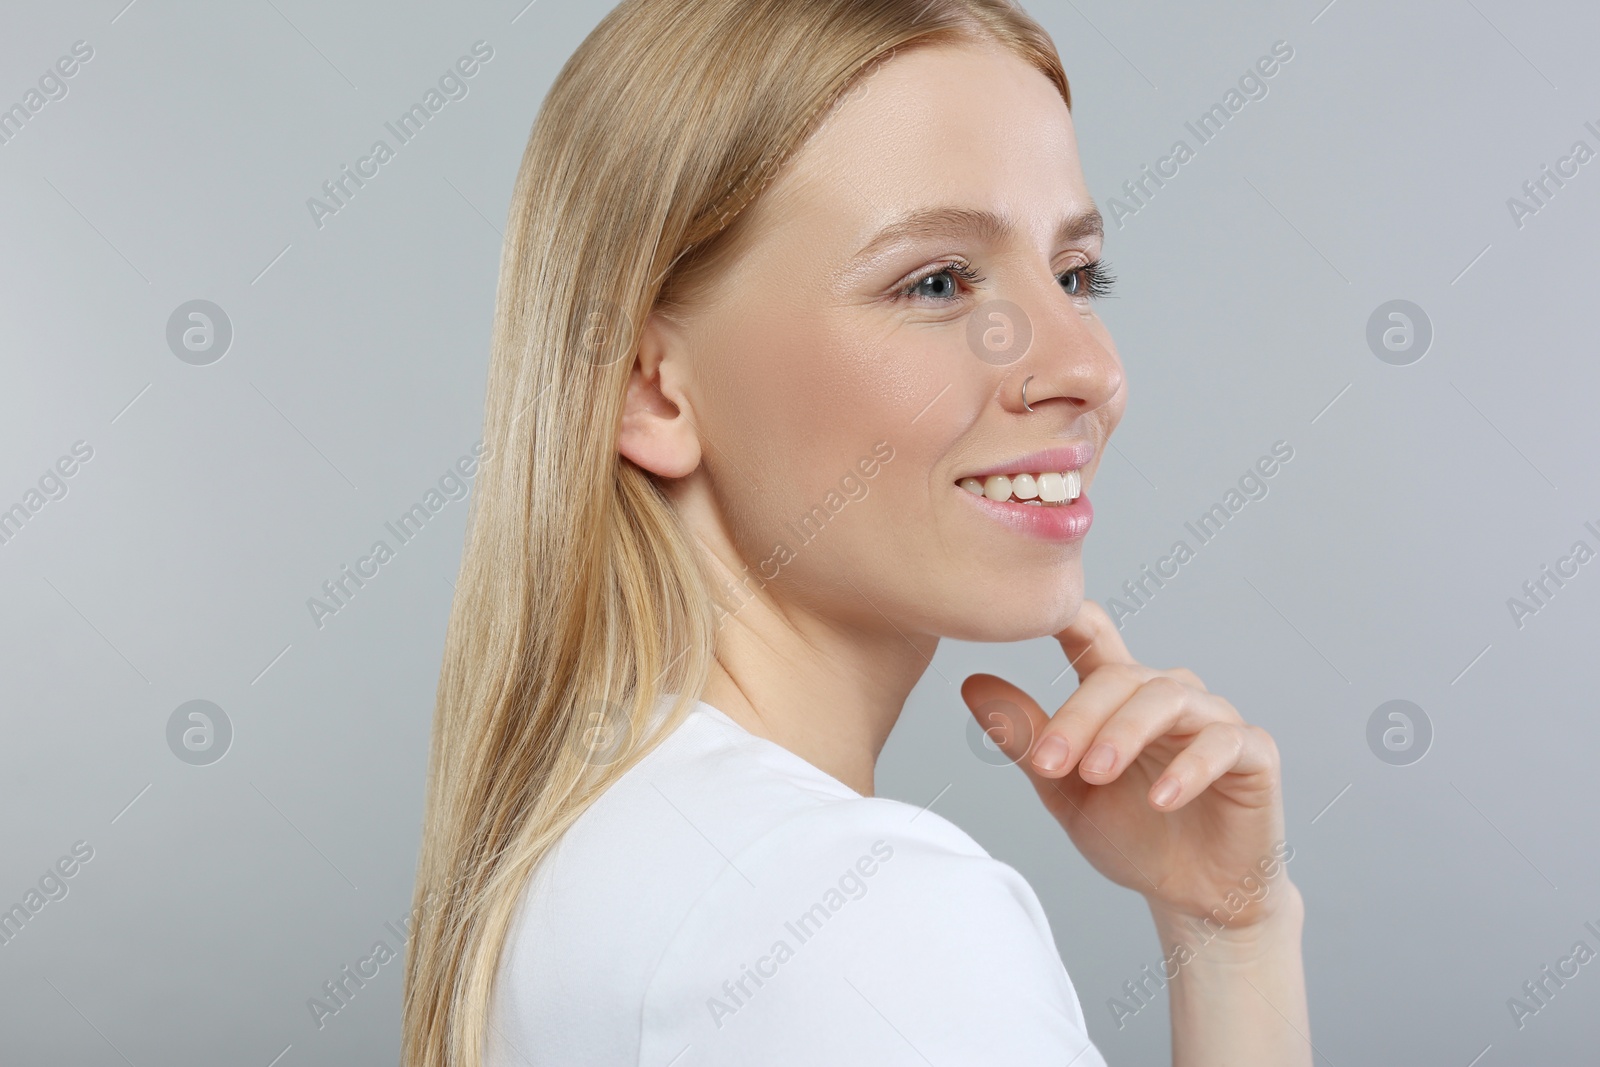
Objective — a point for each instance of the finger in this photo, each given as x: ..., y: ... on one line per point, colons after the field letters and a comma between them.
x: 1065, y: 738
x: 1187, y: 677
x: 1160, y: 707
x: 1010, y: 718
x: 1219, y: 748
x: 1091, y: 640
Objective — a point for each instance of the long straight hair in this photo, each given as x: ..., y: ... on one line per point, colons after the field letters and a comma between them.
x: 581, y: 601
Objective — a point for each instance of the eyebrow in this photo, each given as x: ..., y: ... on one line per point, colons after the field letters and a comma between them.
x: 983, y: 225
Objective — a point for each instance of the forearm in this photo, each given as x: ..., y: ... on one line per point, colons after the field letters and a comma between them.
x: 1240, y: 999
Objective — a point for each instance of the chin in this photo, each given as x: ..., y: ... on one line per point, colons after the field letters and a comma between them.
x: 1022, y: 618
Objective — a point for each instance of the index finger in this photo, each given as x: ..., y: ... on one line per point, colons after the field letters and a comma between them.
x: 1091, y: 640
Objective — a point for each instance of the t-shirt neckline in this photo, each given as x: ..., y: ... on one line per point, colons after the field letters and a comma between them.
x: 800, y: 762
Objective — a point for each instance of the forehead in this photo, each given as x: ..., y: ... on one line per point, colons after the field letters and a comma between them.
x: 970, y: 124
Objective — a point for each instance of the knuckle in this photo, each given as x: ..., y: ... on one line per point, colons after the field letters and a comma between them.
x: 1264, y: 738
x: 1229, y: 712
x: 1187, y: 677
x: 1127, y: 671
x: 1165, y: 685
x: 1098, y: 618
x: 1232, y: 733
x: 1101, y: 627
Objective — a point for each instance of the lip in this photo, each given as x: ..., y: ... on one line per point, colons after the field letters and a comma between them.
x: 1060, y: 458
x: 1061, y: 523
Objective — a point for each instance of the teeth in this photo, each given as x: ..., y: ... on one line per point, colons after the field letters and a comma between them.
x: 1047, y: 487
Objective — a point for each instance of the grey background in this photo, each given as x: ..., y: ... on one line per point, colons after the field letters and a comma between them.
x: 218, y: 499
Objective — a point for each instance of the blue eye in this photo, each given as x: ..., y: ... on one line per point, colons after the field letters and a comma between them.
x: 945, y: 291
x: 1092, y: 280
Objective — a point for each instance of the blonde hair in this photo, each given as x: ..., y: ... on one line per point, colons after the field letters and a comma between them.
x: 581, y: 600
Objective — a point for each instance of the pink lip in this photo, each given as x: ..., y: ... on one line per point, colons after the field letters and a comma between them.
x: 1060, y: 458
x: 1064, y: 522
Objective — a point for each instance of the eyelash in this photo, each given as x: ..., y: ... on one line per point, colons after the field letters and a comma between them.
x: 1095, y: 277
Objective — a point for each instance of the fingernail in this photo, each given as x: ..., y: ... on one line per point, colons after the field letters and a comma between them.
x: 1165, y: 791
x: 1099, y: 759
x: 1051, y: 755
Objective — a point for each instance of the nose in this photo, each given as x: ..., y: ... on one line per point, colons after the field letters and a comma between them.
x: 1068, y: 362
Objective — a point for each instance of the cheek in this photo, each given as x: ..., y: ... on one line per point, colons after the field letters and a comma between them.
x: 825, y: 440
x: 797, y: 404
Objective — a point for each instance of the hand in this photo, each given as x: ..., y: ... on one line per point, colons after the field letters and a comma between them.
x: 1187, y: 853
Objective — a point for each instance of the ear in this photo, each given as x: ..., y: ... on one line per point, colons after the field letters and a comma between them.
x: 657, y: 431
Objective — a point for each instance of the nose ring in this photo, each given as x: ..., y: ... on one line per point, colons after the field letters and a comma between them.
x: 1025, y: 382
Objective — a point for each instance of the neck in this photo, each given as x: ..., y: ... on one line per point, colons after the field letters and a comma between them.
x: 826, y: 691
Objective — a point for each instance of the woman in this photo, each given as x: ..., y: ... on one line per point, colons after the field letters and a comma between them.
x: 797, y: 370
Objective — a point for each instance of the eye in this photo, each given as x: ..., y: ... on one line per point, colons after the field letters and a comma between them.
x: 944, y: 287
x: 1090, y: 281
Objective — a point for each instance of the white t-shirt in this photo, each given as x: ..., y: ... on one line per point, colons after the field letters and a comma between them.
x: 727, y: 904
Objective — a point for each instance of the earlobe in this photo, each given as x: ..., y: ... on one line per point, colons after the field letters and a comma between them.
x: 657, y: 431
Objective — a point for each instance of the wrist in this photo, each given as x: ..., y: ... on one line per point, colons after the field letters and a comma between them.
x: 1277, y: 923
x: 1238, y: 993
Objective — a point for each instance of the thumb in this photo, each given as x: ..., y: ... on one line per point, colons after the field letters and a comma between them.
x: 1010, y: 718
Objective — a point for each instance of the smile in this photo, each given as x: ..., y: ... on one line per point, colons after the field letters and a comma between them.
x: 1039, y: 495
x: 1043, y: 489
